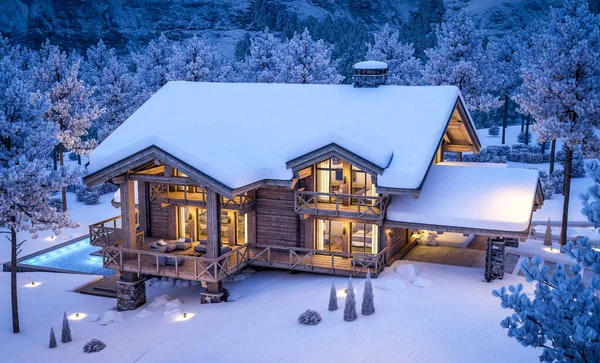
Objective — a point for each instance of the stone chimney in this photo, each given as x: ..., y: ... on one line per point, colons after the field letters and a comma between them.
x: 370, y: 74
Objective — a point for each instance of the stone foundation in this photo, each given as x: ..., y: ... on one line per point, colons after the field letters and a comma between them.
x: 494, y: 263
x: 130, y: 295
x: 207, y: 297
x: 512, y: 242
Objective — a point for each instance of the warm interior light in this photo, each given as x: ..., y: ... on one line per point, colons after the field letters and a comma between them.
x: 77, y: 316
x: 33, y: 284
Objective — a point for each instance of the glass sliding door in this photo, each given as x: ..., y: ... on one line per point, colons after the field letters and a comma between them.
x: 330, y: 178
x: 187, y: 223
x: 364, y: 238
x: 329, y: 235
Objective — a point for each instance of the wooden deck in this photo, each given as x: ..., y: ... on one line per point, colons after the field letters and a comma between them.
x: 454, y: 256
x: 104, y: 287
x: 213, y: 270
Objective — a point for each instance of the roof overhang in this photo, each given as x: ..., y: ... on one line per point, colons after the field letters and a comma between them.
x: 329, y: 151
x: 465, y: 230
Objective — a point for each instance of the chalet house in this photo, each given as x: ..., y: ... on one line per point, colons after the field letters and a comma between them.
x: 331, y: 179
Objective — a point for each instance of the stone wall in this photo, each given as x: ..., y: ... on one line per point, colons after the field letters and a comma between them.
x: 130, y: 295
x: 494, y: 263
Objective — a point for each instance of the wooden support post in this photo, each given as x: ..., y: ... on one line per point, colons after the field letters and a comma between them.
x: 251, y: 225
x: 213, y: 223
x: 459, y: 156
x: 347, y: 179
x: 143, y: 206
x: 309, y: 233
x: 128, y: 213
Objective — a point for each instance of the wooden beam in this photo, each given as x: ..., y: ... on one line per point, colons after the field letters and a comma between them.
x: 434, y: 227
x: 155, y: 170
x: 143, y: 207
x: 157, y: 179
x: 455, y: 148
x: 332, y: 150
x: 128, y: 213
x: 213, y: 224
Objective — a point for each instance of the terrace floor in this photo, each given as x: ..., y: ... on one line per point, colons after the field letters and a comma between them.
x: 466, y: 257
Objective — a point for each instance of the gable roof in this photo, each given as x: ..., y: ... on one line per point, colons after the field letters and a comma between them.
x: 243, y: 133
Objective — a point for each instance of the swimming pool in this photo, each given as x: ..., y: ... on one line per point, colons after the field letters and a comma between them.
x: 73, y: 256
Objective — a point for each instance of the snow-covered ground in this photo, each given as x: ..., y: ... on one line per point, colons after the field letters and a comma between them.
x: 454, y: 318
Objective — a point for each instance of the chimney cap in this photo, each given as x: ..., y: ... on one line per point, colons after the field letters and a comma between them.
x: 371, y: 64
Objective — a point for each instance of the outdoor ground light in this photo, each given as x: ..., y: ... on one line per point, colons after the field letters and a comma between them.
x: 184, y: 315
x: 33, y: 284
x: 77, y: 316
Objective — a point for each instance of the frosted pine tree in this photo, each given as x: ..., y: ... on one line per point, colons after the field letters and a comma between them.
x: 153, y: 65
x: 504, y: 53
x: 562, y: 317
x: 65, y: 335
x: 305, y: 60
x: 561, y: 85
x: 52, y: 343
x: 368, y: 302
x: 196, y: 60
x: 460, y: 60
x: 333, y: 303
x: 71, y: 107
x: 350, y: 303
x: 263, y: 63
x: 27, y: 180
x: 403, y: 68
x: 548, y: 234
x: 115, y: 88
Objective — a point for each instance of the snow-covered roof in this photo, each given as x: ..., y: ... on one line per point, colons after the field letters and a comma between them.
x: 241, y: 133
x: 370, y: 64
x: 477, y: 197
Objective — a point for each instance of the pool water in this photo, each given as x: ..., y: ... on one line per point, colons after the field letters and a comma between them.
x: 74, y: 257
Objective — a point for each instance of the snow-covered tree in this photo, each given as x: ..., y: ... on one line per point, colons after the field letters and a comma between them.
x: 153, y: 65
x: 52, y: 342
x: 350, y: 303
x: 196, y: 60
x: 27, y: 180
x: 563, y: 316
x: 71, y: 107
x: 368, y: 302
x: 115, y: 88
x: 548, y: 234
x: 333, y: 303
x: 403, y: 68
x: 263, y: 63
x: 65, y: 335
x: 305, y: 60
x: 561, y: 84
x: 459, y: 59
x: 504, y: 53
x: 591, y: 198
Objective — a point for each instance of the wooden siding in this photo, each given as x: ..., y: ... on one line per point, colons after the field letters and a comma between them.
x: 398, y: 239
x: 159, y: 220
x: 276, y: 221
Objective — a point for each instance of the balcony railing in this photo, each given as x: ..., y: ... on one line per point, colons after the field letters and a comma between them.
x: 342, y: 205
x: 196, y: 196
x: 109, y: 232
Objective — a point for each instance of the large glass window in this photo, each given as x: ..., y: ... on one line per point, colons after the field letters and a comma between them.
x: 329, y: 236
x: 364, y: 237
x: 330, y: 178
x: 186, y: 222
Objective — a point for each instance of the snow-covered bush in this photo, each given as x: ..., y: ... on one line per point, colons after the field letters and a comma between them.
x: 73, y: 156
x: 350, y: 303
x: 530, y: 154
x: 56, y: 203
x: 65, y: 335
x: 578, y: 168
x: 552, y: 183
x: 522, y: 137
x: 52, y: 343
x: 368, y: 302
x: 88, y: 196
x: 562, y: 317
x: 309, y: 317
x: 93, y: 346
x: 333, y: 304
x: 428, y: 238
x: 450, y: 156
x: 494, y: 130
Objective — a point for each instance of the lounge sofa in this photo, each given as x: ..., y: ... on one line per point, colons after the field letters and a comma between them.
x: 170, y: 261
x: 201, y: 247
x: 184, y: 243
x: 162, y: 246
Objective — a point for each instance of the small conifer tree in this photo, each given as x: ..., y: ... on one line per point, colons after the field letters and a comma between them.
x: 333, y: 305
x: 548, y: 235
x: 368, y: 303
x: 52, y: 343
x: 65, y: 336
x: 350, y: 306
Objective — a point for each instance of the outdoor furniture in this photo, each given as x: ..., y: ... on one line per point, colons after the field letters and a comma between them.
x: 201, y: 247
x: 170, y: 261
x: 156, y: 247
x: 225, y: 250
x: 184, y: 243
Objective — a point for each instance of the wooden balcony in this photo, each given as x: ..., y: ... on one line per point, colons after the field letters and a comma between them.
x: 169, y: 194
x: 213, y: 270
x: 340, y: 205
x: 109, y: 232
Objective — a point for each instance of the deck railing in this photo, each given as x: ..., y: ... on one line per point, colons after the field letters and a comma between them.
x: 337, y: 204
x: 109, y: 231
x: 250, y: 254
x: 196, y: 195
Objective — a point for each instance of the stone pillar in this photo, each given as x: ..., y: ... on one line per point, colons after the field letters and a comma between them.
x: 494, y: 263
x: 131, y: 292
x: 214, y: 293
